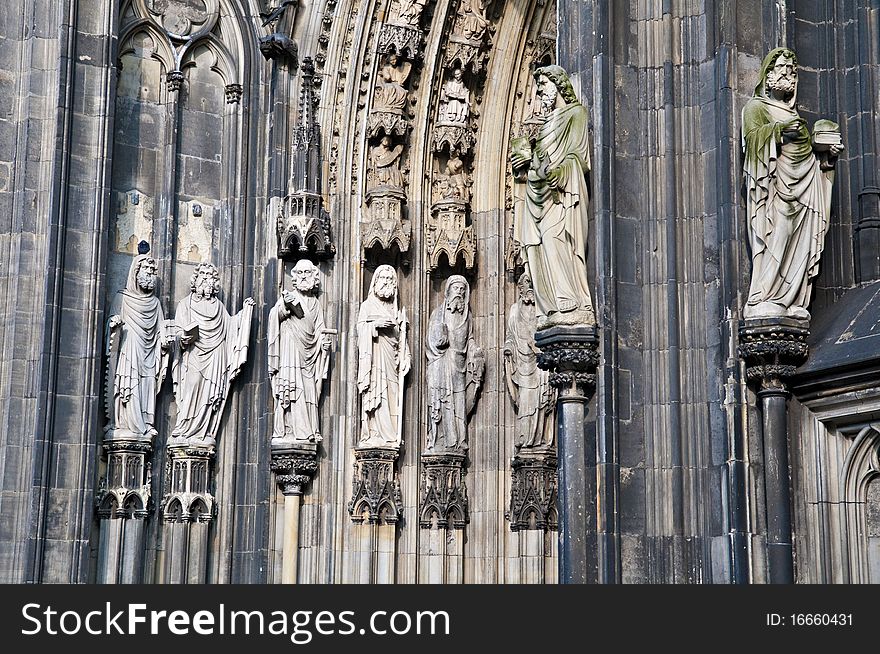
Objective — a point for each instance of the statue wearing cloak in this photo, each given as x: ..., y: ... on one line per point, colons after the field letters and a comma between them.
x: 455, y: 370
x: 788, y: 178
x: 383, y: 362
x: 212, y: 347
x: 298, y: 358
x: 528, y: 386
x: 137, y: 352
x: 551, y: 221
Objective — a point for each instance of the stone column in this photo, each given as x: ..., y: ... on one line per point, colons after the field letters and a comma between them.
x: 123, y: 504
x: 772, y: 348
x: 187, y: 511
x: 375, y: 507
x: 294, y: 468
x: 571, y: 354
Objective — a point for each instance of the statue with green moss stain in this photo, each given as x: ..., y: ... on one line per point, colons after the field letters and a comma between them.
x: 551, y: 221
x: 788, y: 177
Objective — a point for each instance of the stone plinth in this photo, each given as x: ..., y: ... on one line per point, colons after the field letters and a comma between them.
x: 444, y: 498
x: 533, y: 493
x: 571, y: 355
x: 772, y: 349
x: 376, y: 494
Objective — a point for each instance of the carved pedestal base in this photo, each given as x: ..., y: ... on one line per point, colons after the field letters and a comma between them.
x: 447, y: 232
x: 123, y: 504
x: 443, y: 492
x: 571, y: 355
x: 376, y: 494
x: 187, y: 510
x: 388, y: 123
x: 302, y: 225
x: 294, y: 467
x: 461, y: 53
x: 533, y: 491
x: 404, y: 40
x: 456, y: 139
x: 772, y: 349
x: 384, y: 224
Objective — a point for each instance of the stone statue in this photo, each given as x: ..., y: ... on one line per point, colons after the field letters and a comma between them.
x: 383, y: 362
x: 788, y: 179
x: 529, y: 387
x: 551, y: 223
x: 410, y: 11
x: 455, y: 370
x: 137, y: 351
x: 212, y: 347
x: 299, y: 357
x: 454, y: 184
x: 385, y: 162
x: 472, y: 22
x: 455, y: 100
x: 391, y: 92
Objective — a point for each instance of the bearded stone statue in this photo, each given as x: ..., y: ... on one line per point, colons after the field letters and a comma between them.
x: 529, y: 387
x: 383, y: 362
x: 212, y: 348
x: 551, y: 221
x: 455, y: 370
x: 137, y: 351
x: 299, y: 357
x: 788, y: 177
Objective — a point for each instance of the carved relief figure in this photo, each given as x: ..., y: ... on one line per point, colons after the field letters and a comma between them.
x: 455, y: 370
x: 299, y: 357
x: 454, y: 183
x: 213, y: 346
x: 137, y: 351
x: 386, y: 163
x: 529, y: 387
x: 383, y: 361
x: 455, y: 100
x: 410, y: 11
x: 788, y: 179
x: 472, y: 22
x: 391, y: 93
x: 551, y: 223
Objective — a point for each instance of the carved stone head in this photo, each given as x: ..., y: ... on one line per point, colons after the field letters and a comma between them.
x: 146, y: 275
x: 457, y: 294
x: 205, y: 281
x: 778, y: 77
x: 306, y: 276
x: 553, y: 82
x: 457, y: 74
x: 384, y: 283
x: 526, y: 291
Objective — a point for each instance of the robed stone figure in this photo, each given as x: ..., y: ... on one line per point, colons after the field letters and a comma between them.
x: 529, y: 387
x: 383, y: 362
x: 455, y: 370
x: 299, y: 358
x: 551, y: 221
x: 212, y: 348
x: 788, y: 177
x: 138, y: 352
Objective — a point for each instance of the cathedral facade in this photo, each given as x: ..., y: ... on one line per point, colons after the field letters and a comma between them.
x: 279, y: 306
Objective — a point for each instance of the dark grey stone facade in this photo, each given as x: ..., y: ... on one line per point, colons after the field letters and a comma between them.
x: 96, y: 138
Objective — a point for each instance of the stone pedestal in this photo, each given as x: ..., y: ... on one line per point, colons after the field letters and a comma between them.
x: 772, y: 349
x: 447, y: 232
x: 123, y: 504
x: 404, y: 40
x: 187, y: 511
x: 533, y: 491
x: 444, y: 494
x: 571, y: 355
x: 294, y: 466
x: 383, y: 224
x: 376, y: 494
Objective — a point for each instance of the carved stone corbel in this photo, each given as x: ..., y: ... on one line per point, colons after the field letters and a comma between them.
x: 376, y: 496
x: 443, y: 491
